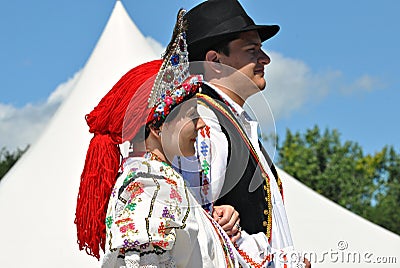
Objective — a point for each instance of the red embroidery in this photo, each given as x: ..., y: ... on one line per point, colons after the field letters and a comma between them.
x: 161, y: 229
x: 169, y: 181
x: 175, y: 195
x: 123, y: 220
x: 161, y: 244
x: 135, y: 188
x: 128, y: 227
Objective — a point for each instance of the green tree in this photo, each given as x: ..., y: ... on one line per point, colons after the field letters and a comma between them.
x: 8, y: 159
x: 365, y: 184
x: 386, y: 210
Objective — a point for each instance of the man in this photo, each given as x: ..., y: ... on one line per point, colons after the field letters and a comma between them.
x: 235, y: 165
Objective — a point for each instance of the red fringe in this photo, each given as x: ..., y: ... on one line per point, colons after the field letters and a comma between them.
x: 110, y: 127
x: 97, y: 180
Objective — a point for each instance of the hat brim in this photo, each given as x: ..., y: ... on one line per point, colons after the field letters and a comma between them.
x: 265, y: 32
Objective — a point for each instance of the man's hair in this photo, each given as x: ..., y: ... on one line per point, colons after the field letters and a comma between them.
x: 222, y: 46
x: 201, y: 50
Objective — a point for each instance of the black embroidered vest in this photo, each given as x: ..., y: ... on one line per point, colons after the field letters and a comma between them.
x: 246, y: 186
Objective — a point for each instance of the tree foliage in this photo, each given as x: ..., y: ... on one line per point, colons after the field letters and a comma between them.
x: 8, y: 159
x: 368, y: 185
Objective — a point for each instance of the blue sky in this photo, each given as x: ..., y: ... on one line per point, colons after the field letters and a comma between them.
x: 338, y: 60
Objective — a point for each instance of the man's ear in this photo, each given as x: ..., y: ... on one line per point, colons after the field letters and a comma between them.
x: 212, y: 61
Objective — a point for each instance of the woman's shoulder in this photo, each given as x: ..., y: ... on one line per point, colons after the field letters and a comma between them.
x: 141, y: 168
x: 148, y: 202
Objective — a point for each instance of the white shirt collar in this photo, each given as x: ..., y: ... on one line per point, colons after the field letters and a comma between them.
x: 232, y: 103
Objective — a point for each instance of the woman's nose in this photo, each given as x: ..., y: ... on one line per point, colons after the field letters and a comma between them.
x: 200, y: 124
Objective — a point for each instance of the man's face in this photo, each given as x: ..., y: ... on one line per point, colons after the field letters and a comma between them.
x: 247, y: 56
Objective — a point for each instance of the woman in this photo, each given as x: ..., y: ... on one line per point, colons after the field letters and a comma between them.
x: 152, y: 219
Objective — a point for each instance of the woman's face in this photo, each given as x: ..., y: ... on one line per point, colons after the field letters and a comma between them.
x: 180, y: 133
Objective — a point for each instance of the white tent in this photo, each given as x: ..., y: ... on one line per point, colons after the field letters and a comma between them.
x: 38, y: 196
x: 331, y: 236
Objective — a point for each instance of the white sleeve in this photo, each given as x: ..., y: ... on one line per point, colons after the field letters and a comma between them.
x: 257, y: 247
x: 218, y: 150
x: 141, y: 222
x: 152, y: 260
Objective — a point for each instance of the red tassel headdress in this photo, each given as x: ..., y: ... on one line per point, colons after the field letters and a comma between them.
x: 103, y: 155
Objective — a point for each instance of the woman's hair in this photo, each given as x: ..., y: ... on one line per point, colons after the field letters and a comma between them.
x: 144, y: 131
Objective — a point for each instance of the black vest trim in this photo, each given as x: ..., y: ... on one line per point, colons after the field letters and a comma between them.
x: 246, y: 186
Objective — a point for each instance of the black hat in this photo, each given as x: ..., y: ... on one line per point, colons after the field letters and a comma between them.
x: 215, y: 20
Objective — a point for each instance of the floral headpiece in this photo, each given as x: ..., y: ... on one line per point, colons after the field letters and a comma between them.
x: 173, y: 83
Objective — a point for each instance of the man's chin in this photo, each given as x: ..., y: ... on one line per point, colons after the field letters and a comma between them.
x: 262, y: 85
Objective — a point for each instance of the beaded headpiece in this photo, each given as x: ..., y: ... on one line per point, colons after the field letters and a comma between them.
x: 173, y: 83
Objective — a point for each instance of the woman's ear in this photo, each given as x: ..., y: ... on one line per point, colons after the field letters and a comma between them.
x: 212, y: 59
x: 156, y: 132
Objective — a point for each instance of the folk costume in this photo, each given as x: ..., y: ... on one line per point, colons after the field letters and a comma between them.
x: 234, y: 168
x: 140, y: 211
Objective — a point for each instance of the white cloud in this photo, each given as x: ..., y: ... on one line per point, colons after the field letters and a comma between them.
x: 64, y: 89
x: 291, y: 85
x: 363, y: 84
x: 21, y: 126
x: 155, y: 45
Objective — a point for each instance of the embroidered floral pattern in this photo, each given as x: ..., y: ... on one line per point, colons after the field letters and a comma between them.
x: 204, y: 157
x: 127, y: 230
x: 175, y: 195
x: 161, y: 244
x: 130, y: 244
x: 128, y: 227
x: 169, y: 181
x: 206, y: 167
x: 131, y: 206
x: 131, y: 174
x: 147, y: 202
x: 136, y: 188
x: 109, y: 221
x: 161, y: 229
x: 167, y: 214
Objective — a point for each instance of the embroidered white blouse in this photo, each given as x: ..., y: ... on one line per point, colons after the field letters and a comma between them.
x: 153, y: 220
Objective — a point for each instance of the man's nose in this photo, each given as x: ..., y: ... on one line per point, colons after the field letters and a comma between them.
x: 263, y: 58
